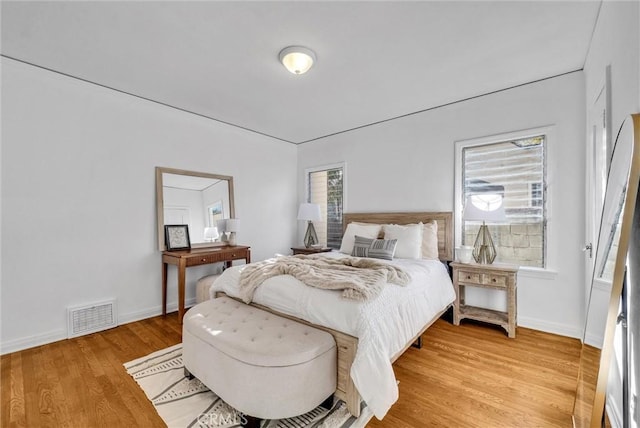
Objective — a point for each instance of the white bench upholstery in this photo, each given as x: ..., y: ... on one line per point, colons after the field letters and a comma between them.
x: 263, y: 365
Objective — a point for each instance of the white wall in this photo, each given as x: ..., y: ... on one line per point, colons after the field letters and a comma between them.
x: 616, y: 43
x: 78, y: 197
x: 407, y: 164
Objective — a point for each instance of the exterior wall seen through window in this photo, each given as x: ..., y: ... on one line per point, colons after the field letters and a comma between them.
x: 516, y: 170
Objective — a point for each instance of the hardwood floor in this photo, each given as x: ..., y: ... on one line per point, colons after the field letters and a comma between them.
x: 473, y: 376
x: 466, y: 376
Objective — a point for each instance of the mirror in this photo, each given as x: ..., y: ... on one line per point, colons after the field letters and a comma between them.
x: 197, y: 199
x: 609, y: 274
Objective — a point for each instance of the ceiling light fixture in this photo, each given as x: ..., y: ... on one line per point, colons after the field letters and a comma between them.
x: 297, y: 59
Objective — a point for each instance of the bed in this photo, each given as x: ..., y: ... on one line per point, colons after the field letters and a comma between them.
x: 370, y: 335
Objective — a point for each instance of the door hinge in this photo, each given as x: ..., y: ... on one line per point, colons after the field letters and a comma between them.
x: 589, y: 248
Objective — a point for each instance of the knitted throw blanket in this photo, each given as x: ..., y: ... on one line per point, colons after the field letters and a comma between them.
x: 359, y: 278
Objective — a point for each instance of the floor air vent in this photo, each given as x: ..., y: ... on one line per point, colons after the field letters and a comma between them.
x: 91, y: 318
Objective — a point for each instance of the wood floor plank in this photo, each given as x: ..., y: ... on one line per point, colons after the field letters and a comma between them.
x: 464, y: 376
x: 480, y: 378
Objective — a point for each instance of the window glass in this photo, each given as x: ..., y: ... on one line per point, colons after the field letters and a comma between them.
x: 325, y: 189
x: 514, y: 169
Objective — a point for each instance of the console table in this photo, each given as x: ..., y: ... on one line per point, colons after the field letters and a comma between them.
x: 184, y: 259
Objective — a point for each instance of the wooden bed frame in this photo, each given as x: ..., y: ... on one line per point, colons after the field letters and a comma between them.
x: 346, y: 344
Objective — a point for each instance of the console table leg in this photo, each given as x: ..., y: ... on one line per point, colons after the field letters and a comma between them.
x: 182, y: 274
x: 164, y: 289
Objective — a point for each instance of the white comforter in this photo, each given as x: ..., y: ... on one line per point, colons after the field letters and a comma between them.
x: 383, y: 325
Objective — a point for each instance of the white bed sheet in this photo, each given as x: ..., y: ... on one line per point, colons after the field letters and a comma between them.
x: 383, y: 325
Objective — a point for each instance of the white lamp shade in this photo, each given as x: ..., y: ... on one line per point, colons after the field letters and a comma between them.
x: 211, y: 233
x: 232, y: 225
x: 309, y: 212
x: 484, y: 207
x: 297, y: 59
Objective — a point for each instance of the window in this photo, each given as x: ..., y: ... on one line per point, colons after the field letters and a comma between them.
x: 325, y: 188
x: 514, y: 168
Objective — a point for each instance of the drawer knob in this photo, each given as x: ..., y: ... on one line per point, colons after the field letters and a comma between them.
x: 203, y: 260
x: 493, y: 279
x: 468, y: 276
x: 233, y: 254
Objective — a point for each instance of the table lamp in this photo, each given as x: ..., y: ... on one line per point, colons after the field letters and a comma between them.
x: 211, y: 234
x: 231, y: 228
x: 311, y: 213
x: 484, y: 207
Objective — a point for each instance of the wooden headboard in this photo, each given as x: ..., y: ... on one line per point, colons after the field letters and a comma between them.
x: 444, y: 220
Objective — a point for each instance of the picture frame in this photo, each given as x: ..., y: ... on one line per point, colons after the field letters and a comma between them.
x: 215, y: 212
x: 177, y: 237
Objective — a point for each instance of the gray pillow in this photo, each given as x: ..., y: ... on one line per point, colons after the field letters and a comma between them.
x: 376, y: 248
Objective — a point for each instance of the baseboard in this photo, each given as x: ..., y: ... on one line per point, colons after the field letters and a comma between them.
x: 615, y: 414
x: 32, y: 341
x: 61, y: 334
x: 151, y: 312
x: 594, y: 340
x: 550, y: 327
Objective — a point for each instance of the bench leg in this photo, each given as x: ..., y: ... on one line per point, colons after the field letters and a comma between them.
x: 250, y: 422
x: 328, y: 403
x: 188, y: 374
x: 417, y: 343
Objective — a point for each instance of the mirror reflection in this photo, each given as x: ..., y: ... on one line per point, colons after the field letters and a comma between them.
x: 604, y: 295
x: 200, y: 200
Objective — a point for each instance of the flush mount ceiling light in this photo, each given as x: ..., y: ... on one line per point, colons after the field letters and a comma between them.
x: 297, y: 59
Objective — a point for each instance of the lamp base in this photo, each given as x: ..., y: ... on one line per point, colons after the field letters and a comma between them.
x: 484, y: 251
x: 310, y: 236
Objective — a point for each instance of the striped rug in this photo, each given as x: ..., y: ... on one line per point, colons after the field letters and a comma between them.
x: 184, y: 403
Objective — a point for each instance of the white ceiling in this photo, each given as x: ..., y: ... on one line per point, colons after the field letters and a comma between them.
x: 376, y: 60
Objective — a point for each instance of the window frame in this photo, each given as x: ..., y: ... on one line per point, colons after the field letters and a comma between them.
x: 549, y: 247
x: 327, y: 167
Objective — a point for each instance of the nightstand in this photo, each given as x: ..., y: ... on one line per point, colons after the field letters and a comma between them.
x: 494, y: 276
x: 311, y: 250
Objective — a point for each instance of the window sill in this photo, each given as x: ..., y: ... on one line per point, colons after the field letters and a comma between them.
x: 537, y: 273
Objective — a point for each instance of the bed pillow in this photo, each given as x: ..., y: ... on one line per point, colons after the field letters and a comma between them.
x: 365, y: 230
x: 370, y: 224
x: 430, y: 241
x: 409, y: 237
x: 376, y: 248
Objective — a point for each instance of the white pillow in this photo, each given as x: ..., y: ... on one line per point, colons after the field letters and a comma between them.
x: 353, y: 229
x: 430, y: 241
x: 409, y: 238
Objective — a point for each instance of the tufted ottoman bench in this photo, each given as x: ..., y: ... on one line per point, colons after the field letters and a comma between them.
x: 263, y: 365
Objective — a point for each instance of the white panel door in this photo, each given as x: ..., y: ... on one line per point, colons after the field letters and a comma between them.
x: 598, y: 160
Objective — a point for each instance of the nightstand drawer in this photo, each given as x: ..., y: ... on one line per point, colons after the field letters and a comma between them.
x: 494, y: 280
x: 203, y: 259
x: 235, y: 255
x: 467, y: 276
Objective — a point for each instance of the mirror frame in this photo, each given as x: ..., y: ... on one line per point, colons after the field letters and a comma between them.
x: 602, y: 369
x: 160, y: 202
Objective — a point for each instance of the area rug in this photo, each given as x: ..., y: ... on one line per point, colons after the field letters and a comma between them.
x: 184, y: 403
